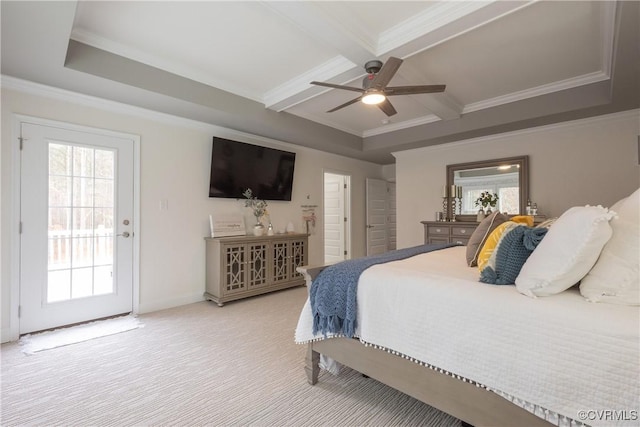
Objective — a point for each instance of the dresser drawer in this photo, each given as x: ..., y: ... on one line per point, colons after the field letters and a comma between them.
x: 438, y: 240
x: 434, y: 230
x: 462, y: 230
x: 460, y: 240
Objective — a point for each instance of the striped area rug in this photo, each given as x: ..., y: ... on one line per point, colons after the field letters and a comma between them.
x: 199, y: 365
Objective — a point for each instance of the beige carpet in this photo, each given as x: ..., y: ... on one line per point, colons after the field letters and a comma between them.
x: 198, y: 365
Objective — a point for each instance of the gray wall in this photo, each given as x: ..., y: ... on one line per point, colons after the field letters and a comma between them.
x: 592, y: 161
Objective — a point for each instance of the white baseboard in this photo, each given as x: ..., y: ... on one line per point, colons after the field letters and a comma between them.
x: 7, y: 336
x: 150, y: 306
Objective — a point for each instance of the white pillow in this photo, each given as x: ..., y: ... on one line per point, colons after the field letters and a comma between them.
x: 616, y: 206
x: 615, y: 278
x: 567, y: 253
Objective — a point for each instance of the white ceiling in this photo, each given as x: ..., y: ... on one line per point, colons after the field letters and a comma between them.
x: 503, y: 62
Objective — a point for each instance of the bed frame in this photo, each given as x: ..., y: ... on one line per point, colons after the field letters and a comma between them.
x: 465, y: 401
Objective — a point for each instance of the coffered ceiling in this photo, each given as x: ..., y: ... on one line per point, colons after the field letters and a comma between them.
x: 248, y: 64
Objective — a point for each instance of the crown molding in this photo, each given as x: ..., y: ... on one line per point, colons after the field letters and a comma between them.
x: 451, y: 20
x: 590, y: 121
x: 335, y: 67
x: 37, y: 89
x: 329, y: 123
x: 495, y: 102
x: 174, y: 67
x: 546, y: 89
x: 401, y: 125
x: 353, y: 28
x: 427, y: 21
x: 57, y: 94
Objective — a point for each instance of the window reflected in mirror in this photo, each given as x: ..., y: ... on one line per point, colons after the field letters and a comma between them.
x: 501, y: 180
x: 507, y: 177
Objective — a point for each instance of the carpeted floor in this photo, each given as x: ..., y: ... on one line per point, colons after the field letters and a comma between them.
x: 198, y: 364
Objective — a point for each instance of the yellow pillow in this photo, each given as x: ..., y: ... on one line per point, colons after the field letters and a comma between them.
x: 523, y: 219
x: 493, y: 240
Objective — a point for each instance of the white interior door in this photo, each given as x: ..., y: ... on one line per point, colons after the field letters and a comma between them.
x: 391, y: 216
x: 376, y: 216
x: 76, y: 241
x: 334, y: 218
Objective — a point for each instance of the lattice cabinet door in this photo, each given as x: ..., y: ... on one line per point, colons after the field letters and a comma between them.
x: 243, y: 266
x: 280, y: 262
x: 297, y: 257
x: 234, y: 268
x: 257, y: 265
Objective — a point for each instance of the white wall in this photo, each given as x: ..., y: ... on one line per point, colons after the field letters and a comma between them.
x: 591, y: 161
x: 174, y: 166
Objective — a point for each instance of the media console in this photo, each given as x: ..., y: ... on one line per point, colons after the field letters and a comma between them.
x: 244, y: 266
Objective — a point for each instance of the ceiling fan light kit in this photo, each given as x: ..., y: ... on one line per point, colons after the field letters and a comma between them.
x: 374, y: 86
x: 373, y: 98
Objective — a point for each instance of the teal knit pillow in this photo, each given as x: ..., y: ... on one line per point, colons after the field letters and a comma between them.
x: 514, y: 249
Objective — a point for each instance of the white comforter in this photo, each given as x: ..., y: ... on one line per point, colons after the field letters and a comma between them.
x: 561, y: 352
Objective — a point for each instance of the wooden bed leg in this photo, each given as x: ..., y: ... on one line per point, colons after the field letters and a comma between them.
x: 312, y: 366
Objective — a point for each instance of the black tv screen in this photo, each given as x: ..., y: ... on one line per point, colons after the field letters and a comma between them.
x: 236, y: 166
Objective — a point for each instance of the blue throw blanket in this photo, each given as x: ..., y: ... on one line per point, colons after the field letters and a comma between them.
x: 333, y: 291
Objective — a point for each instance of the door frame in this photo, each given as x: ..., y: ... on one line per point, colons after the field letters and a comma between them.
x: 347, y: 210
x: 16, y: 121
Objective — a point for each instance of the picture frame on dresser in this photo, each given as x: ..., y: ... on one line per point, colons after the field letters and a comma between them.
x: 226, y: 225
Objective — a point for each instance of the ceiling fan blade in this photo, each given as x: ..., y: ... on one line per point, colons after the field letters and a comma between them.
x: 346, y: 104
x: 331, y: 85
x: 411, y: 90
x: 387, y: 108
x: 386, y: 73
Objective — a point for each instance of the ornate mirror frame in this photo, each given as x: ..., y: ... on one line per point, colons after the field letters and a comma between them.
x: 523, y: 178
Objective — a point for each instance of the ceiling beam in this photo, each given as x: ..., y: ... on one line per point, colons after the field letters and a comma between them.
x: 443, y: 22
x: 314, y: 20
x: 338, y: 70
x: 442, y: 104
x: 356, y: 45
x: 353, y: 45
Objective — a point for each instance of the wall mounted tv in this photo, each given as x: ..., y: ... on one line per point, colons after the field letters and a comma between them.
x: 236, y: 166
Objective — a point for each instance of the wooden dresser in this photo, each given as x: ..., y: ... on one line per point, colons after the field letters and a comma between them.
x: 448, y: 232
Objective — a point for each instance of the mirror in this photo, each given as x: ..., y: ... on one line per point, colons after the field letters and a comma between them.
x: 508, y: 177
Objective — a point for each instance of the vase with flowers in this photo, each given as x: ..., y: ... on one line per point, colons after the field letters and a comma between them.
x: 259, y: 208
x: 486, y: 201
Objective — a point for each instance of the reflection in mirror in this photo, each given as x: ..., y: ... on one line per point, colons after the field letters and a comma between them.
x: 508, y: 178
x: 501, y: 180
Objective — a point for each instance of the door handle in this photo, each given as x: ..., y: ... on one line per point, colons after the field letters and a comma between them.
x: 124, y: 234
x: 369, y: 226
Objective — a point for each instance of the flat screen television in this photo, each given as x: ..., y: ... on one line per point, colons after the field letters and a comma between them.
x: 236, y: 166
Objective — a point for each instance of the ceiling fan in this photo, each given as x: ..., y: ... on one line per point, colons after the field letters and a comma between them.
x: 374, y: 86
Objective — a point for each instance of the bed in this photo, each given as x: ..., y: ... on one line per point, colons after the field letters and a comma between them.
x: 486, y: 354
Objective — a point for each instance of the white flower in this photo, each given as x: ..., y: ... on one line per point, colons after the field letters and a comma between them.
x: 487, y: 199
